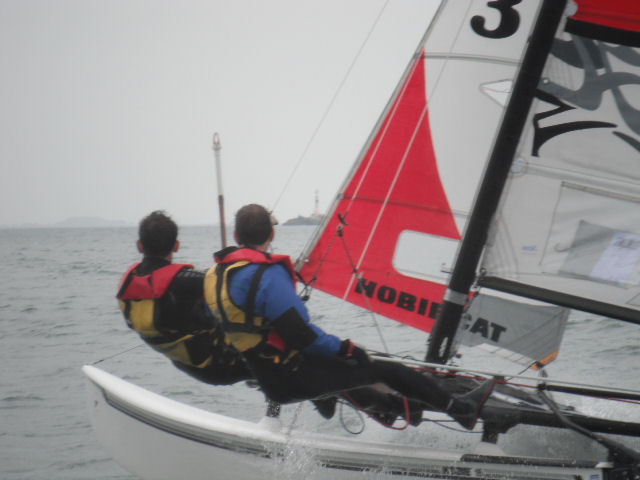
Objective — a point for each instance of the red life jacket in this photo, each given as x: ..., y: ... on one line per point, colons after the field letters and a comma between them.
x: 138, y: 297
x: 151, y: 286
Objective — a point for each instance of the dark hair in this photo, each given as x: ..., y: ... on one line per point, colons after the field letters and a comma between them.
x: 158, y: 234
x: 253, y: 225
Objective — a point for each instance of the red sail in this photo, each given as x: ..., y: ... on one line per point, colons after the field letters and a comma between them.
x: 395, y: 188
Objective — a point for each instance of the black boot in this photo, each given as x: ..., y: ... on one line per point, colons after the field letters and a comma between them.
x: 325, y: 406
x: 406, y: 407
x: 466, y: 408
x: 415, y: 412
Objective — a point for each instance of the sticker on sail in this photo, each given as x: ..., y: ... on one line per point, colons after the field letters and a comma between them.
x: 497, y: 91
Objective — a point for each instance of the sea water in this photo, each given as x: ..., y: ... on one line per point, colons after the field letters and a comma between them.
x: 58, y: 312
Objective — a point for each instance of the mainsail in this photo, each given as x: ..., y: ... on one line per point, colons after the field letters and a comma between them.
x: 568, y: 226
x: 557, y: 215
x: 390, y: 237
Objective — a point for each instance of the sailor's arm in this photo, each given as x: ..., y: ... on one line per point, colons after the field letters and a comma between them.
x: 290, y: 316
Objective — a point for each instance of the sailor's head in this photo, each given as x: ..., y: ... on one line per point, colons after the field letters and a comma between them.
x: 158, y: 235
x: 254, y: 226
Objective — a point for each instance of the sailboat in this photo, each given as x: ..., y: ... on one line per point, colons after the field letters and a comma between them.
x: 499, y: 190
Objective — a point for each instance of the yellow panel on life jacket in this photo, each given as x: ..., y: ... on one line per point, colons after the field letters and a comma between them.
x: 140, y: 316
x: 241, y: 335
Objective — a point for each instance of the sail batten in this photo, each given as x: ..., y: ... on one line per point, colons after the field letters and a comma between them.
x: 472, y: 58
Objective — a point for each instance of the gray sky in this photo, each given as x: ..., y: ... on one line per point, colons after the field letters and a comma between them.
x: 107, y: 108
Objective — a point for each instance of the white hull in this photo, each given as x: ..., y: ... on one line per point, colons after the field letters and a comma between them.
x: 157, y: 438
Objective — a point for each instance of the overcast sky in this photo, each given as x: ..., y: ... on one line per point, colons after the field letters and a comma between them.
x: 108, y: 108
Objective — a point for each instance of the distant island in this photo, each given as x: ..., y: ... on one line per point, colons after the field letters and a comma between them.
x: 314, y: 219
x: 89, y: 222
x: 74, y: 222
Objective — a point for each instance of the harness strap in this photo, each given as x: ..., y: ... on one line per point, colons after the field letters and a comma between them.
x: 253, y: 293
x: 220, y: 270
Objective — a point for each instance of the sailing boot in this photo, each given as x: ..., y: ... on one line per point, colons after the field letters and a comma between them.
x: 466, y: 408
x: 326, y: 407
x: 415, y: 412
x: 407, y: 408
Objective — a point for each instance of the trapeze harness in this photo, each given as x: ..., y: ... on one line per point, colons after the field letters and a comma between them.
x: 138, y: 296
x: 242, y: 327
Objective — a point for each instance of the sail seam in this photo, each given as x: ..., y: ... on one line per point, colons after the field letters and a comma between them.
x: 498, y: 60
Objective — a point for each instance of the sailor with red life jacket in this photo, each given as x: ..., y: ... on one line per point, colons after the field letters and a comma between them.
x: 252, y: 293
x: 164, y: 303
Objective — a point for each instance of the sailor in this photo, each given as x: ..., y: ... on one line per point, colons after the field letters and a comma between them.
x: 164, y: 303
x: 252, y: 292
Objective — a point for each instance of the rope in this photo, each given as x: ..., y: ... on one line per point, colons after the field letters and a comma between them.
x: 340, y: 230
x: 331, y: 103
x: 366, y: 299
x: 294, y: 419
x: 117, y: 354
x: 358, y: 408
x: 505, y: 380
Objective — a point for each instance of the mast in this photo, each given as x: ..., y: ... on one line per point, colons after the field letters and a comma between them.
x: 495, y: 177
x: 217, y: 146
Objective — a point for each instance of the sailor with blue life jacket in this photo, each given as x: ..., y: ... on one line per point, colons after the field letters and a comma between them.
x: 252, y: 293
x: 164, y: 303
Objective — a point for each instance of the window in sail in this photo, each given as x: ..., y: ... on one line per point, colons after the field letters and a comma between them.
x: 604, y: 254
x: 424, y: 256
x: 603, y: 246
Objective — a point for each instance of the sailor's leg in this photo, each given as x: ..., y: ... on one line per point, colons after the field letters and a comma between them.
x: 385, y: 406
x: 464, y: 409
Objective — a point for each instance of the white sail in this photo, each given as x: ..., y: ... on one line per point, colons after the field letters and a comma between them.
x: 525, y: 333
x: 568, y: 226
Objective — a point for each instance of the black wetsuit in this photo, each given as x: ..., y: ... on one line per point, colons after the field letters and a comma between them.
x: 314, y: 371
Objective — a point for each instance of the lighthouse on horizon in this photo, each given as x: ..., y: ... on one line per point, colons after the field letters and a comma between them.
x: 314, y: 219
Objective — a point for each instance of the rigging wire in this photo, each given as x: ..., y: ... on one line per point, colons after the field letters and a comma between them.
x: 616, y: 394
x: 331, y: 103
x: 356, y: 275
x: 408, y: 148
x: 117, y: 354
x: 448, y: 57
x: 340, y: 230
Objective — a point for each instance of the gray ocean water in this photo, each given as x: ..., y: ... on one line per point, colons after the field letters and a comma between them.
x: 58, y: 312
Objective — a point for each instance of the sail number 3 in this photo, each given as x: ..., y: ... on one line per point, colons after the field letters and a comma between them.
x: 509, y: 20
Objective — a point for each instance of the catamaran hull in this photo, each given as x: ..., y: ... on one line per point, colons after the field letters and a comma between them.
x: 157, y: 438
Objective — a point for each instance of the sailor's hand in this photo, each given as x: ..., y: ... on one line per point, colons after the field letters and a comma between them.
x: 353, y: 354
